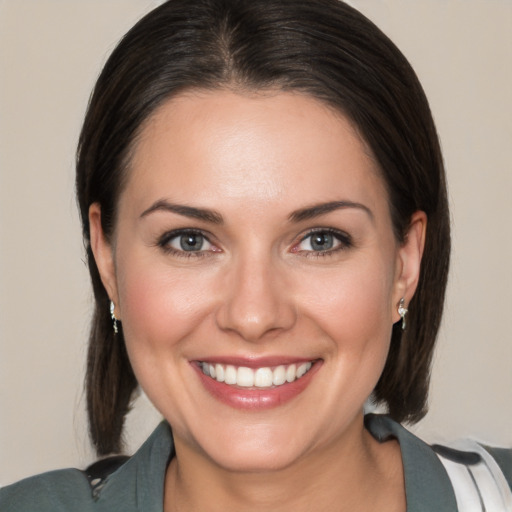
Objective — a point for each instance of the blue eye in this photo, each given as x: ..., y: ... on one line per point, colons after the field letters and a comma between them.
x: 185, y: 242
x: 190, y: 242
x: 323, y: 241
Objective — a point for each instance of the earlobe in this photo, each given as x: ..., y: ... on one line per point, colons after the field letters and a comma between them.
x: 103, y: 254
x: 409, y: 261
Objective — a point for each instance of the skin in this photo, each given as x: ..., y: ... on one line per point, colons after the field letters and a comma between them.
x: 258, y: 289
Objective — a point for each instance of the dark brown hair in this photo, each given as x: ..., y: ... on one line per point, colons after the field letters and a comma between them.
x: 323, y: 48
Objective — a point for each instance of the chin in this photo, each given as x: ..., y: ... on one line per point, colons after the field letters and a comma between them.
x: 256, y: 459
x: 255, y: 448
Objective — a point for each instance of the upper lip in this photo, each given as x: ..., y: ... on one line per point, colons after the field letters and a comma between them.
x: 257, y: 362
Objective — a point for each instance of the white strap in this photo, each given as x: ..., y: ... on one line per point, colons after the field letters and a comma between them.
x: 480, y: 487
x: 466, y: 493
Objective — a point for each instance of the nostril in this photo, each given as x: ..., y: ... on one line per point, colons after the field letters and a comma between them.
x: 255, y: 321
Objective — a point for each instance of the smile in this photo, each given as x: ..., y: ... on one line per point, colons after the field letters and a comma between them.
x: 265, y: 377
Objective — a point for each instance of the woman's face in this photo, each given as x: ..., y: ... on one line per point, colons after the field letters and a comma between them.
x: 254, y: 243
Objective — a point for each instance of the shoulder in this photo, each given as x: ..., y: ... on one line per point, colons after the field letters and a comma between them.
x: 55, y: 491
x: 478, y: 474
x: 427, y: 484
x: 118, y: 483
x: 469, y: 453
x: 449, y: 477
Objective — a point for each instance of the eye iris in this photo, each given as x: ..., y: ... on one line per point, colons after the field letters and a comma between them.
x: 322, y: 241
x: 191, y: 242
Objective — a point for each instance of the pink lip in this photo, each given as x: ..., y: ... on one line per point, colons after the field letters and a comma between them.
x: 256, y: 399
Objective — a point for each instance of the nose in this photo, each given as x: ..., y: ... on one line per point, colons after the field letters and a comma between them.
x: 257, y: 301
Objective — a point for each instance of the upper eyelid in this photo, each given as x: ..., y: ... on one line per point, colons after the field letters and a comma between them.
x: 336, y: 232
x: 173, y: 233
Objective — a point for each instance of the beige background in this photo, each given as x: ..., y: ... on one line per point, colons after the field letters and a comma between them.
x: 50, y: 53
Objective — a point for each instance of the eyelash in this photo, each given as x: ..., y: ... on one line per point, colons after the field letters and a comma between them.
x: 164, y: 244
x: 344, y: 240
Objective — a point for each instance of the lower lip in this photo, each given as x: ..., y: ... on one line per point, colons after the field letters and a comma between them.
x: 256, y: 399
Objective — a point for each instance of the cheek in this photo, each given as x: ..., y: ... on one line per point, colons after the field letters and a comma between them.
x: 352, y: 304
x: 159, y: 306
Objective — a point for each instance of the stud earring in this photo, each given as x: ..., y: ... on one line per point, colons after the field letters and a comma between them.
x: 113, y: 316
x: 402, y: 311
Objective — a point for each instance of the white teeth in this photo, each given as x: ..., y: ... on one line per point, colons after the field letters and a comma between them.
x: 264, y: 377
x: 302, y: 369
x: 279, y: 376
x: 230, y: 375
x: 291, y: 373
x: 245, y: 377
x: 219, y: 370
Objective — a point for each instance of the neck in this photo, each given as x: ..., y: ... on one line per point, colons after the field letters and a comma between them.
x: 354, y: 472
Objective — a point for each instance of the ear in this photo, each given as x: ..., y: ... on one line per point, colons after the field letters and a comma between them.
x: 103, y: 255
x: 409, y: 261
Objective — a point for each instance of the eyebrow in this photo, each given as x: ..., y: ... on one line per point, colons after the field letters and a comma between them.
x: 203, y: 214
x: 214, y: 217
x: 323, y: 208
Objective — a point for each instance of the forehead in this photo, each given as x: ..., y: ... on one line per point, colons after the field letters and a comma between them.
x: 217, y: 145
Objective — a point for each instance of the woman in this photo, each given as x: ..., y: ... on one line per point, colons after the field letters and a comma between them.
x: 264, y: 209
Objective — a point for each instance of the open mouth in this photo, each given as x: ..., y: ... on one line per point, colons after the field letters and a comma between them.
x: 261, y: 378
